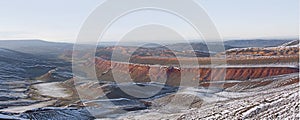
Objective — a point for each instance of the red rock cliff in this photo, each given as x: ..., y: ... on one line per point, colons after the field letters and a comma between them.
x: 173, y: 75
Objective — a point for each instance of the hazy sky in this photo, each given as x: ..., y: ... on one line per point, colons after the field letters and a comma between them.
x: 60, y: 20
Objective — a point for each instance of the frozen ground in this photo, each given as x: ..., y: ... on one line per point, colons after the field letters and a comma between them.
x: 21, y: 109
x: 277, y: 100
x: 53, y: 89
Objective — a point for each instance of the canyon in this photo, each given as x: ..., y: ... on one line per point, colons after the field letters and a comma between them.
x: 240, y: 83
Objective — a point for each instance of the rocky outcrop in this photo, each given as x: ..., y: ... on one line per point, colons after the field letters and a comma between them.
x: 172, y: 75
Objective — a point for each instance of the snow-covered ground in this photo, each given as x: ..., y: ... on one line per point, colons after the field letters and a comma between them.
x: 21, y: 109
x: 277, y: 100
x: 52, y: 90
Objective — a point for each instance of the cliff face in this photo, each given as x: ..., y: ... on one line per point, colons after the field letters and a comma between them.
x: 172, y: 75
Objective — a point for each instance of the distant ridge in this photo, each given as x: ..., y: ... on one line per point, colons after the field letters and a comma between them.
x: 54, y: 49
x: 33, y: 41
x: 35, y: 46
x: 256, y: 42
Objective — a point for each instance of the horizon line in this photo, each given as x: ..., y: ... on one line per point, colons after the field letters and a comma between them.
x: 149, y: 41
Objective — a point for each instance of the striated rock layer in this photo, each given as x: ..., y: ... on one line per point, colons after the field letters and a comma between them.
x: 172, y: 75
